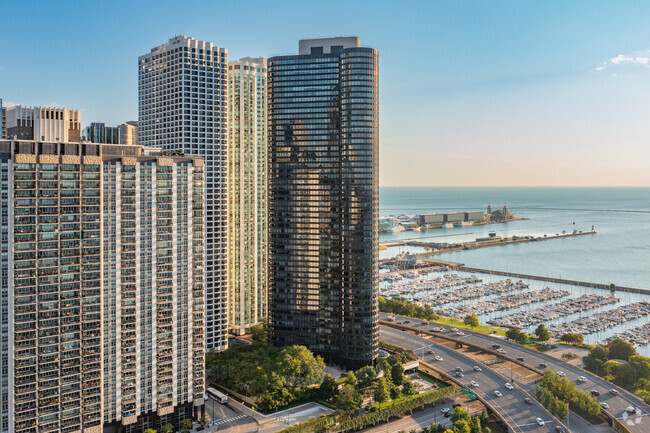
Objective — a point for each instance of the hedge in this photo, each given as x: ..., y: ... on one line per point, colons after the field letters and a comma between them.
x: 328, y: 423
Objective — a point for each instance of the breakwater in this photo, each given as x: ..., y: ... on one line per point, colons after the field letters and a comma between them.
x: 611, y: 287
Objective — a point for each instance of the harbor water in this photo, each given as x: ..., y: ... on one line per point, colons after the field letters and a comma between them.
x: 618, y: 254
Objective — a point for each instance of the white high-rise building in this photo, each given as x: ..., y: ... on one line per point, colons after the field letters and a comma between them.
x: 43, y: 123
x: 247, y: 193
x: 128, y: 133
x: 182, y: 107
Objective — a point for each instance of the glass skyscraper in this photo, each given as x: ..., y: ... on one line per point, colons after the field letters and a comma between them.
x: 323, y: 200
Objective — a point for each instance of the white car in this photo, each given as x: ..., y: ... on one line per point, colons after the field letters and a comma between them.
x: 445, y: 410
x: 582, y: 379
x: 460, y: 333
x: 604, y: 405
x: 454, y: 329
x: 498, y: 393
x: 560, y: 373
x: 477, y: 368
x: 474, y: 384
x: 500, y: 350
x: 438, y: 358
x: 509, y: 386
x: 539, y: 421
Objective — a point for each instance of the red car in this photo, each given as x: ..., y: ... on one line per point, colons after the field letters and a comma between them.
x: 528, y: 401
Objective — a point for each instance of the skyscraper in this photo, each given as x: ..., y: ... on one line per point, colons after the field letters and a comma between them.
x: 247, y: 193
x: 182, y: 107
x: 128, y: 132
x: 102, y: 287
x: 323, y: 200
x: 43, y: 123
x: 98, y: 132
x: 3, y: 121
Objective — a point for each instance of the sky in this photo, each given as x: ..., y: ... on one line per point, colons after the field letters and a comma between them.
x: 513, y: 93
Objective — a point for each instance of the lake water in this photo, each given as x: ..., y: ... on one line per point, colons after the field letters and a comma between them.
x: 619, y: 253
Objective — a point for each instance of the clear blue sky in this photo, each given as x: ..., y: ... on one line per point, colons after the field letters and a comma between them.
x: 472, y: 92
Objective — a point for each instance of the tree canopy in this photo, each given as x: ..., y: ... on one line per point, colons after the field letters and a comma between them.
x: 573, y: 339
x: 620, y: 349
x: 471, y: 320
x: 404, y: 307
x: 542, y: 332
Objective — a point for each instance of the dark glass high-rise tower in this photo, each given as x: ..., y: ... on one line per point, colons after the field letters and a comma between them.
x: 323, y: 200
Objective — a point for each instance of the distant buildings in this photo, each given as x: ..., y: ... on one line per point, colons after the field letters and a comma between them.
x: 128, y: 133
x: 247, y: 193
x: 3, y: 121
x: 103, y: 320
x: 182, y: 94
x: 499, y: 215
x: 43, y: 124
x: 323, y: 200
x: 98, y: 132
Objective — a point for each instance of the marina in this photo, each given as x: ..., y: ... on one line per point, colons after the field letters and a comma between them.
x: 601, y: 321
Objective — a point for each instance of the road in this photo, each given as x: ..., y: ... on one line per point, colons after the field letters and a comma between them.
x: 511, y: 405
x: 638, y: 423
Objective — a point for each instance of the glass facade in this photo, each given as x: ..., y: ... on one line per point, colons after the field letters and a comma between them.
x: 323, y: 203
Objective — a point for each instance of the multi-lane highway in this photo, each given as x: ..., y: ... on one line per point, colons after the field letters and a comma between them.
x: 617, y: 403
x: 511, y: 405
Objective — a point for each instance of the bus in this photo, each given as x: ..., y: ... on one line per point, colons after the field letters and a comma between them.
x: 217, y: 395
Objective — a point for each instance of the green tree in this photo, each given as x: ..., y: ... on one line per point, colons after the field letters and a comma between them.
x: 485, y: 416
x: 394, y: 391
x: 300, y: 367
x: 397, y: 374
x: 461, y: 426
x: 351, y: 379
x: 150, y: 430
x: 328, y: 388
x: 408, y: 388
x: 168, y: 428
x: 187, y: 424
x: 471, y: 320
x: 259, y: 332
x: 573, y: 339
x: 203, y: 420
x: 381, y: 392
x: 517, y: 335
x: 458, y: 413
x: 542, y: 333
x: 348, y: 399
x: 366, y: 375
x: 475, y: 425
x: 620, y: 349
x: 595, y: 359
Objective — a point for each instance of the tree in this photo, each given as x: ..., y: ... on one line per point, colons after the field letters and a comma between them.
x: 620, y: 349
x: 203, y: 420
x: 381, y: 392
x: 485, y: 416
x: 471, y: 320
x: 150, y: 430
x: 475, y: 425
x: 461, y: 426
x: 366, y: 375
x: 168, y: 428
x: 595, y: 359
x: 394, y: 391
x: 259, y: 332
x: 408, y: 388
x: 348, y: 399
x: 459, y: 414
x: 542, y: 333
x: 300, y: 367
x: 187, y: 424
x: 327, y: 388
x: 573, y: 339
x: 351, y: 379
x: 517, y: 335
x: 397, y: 374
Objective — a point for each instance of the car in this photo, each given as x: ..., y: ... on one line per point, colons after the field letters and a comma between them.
x: 445, y: 410
x: 456, y: 405
x: 461, y: 333
x: 595, y: 393
x: 474, y: 384
x: 495, y: 346
x: 454, y: 329
x: 528, y: 401
x: 498, y: 393
x: 438, y: 358
x: 542, y: 365
x: 559, y: 429
x: 459, y: 374
x: 477, y: 368
x: 582, y: 379
x: 509, y: 386
x: 631, y: 410
x: 561, y: 373
x: 539, y: 421
x: 447, y: 414
x: 459, y: 369
x: 441, y: 329
x: 407, y: 321
x: 425, y: 323
x: 501, y: 350
x: 613, y: 392
x: 604, y: 405
x: 520, y: 358
x: 430, y: 352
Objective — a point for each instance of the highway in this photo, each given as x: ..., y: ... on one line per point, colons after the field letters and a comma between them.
x: 636, y: 423
x: 511, y: 405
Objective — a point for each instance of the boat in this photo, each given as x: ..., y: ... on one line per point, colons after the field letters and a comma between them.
x: 396, y: 229
x: 464, y: 223
x: 448, y: 225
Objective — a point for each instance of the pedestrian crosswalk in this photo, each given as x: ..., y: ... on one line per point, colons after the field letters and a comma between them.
x: 229, y: 420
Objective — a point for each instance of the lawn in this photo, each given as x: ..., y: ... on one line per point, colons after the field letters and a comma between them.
x: 460, y: 324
